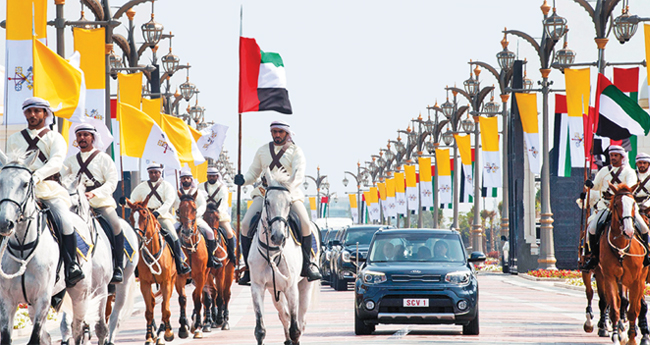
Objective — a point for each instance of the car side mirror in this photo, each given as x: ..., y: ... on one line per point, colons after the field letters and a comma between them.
x: 476, y: 257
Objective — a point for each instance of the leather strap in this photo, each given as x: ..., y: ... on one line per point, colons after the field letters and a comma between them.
x: 31, y: 143
x: 275, y: 162
x: 83, y: 169
x: 615, y: 174
x: 641, y: 187
x: 154, y: 192
x: 211, y: 197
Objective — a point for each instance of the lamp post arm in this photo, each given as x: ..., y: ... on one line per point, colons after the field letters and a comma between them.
x: 127, y: 6
x: 586, y: 6
x: 353, y: 175
x: 528, y: 38
x: 487, y: 67
x: 481, y: 96
x: 503, y: 78
x: 461, y: 91
x: 95, y: 7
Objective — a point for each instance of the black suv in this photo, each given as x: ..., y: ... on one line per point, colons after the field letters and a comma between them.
x: 326, y: 254
x: 417, y: 276
x: 343, y: 267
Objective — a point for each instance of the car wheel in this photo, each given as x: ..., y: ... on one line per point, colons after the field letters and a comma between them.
x: 360, y: 328
x: 472, y: 328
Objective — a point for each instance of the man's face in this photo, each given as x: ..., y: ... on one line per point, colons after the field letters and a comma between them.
x: 84, y: 140
x: 279, y: 136
x: 212, y: 179
x: 35, y: 117
x: 186, y: 181
x: 642, y: 166
x: 615, y: 159
x: 388, y: 250
x: 154, y: 175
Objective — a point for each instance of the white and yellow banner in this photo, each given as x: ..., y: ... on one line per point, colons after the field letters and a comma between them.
x: 211, y: 142
x: 400, y: 193
x: 646, y: 31
x: 354, y: 208
x: 527, y: 104
x: 373, y: 204
x: 381, y: 188
x: 465, y: 150
x: 490, y: 143
x: 577, y: 101
x: 390, y: 197
x: 129, y: 91
x: 313, y: 208
x: 412, y: 192
x: 444, y: 176
x: 426, y: 186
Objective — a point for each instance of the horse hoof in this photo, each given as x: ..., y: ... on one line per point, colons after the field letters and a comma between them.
x: 215, y: 324
x: 288, y: 342
x: 207, y: 329
x: 645, y: 340
x: 588, y: 329
x: 603, y: 333
x: 182, y: 333
x: 198, y: 334
x: 225, y: 327
x: 149, y: 342
x: 160, y: 341
x: 169, y: 335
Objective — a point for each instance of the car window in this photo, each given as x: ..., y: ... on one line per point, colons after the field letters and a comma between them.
x: 425, y: 247
x: 362, y: 236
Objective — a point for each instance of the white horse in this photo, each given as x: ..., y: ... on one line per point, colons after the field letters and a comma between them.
x: 29, y: 257
x: 275, y: 262
x: 103, y: 270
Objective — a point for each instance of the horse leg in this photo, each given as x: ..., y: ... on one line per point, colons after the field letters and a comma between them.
x: 219, y: 296
x: 305, y: 293
x: 38, y: 312
x: 589, y: 292
x: 227, y: 284
x: 213, y: 306
x: 293, y: 301
x: 66, y: 328
x: 635, y: 295
x: 166, y: 289
x: 199, y: 282
x: 613, y: 300
x: 643, y: 323
x: 182, y: 301
x: 101, y: 329
x: 7, y: 313
x: 257, y: 292
x: 150, y: 303
x: 207, y: 300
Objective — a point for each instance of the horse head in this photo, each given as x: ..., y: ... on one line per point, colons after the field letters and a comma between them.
x: 142, y: 220
x: 187, y: 213
x: 77, y: 191
x: 277, y: 203
x: 211, y: 215
x: 17, y: 200
x: 624, y: 209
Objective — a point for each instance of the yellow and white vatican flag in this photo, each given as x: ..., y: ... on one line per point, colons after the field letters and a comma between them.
x: 390, y: 197
x: 465, y: 150
x: 426, y: 185
x: 444, y: 175
x: 354, y: 208
x: 211, y: 142
x: 373, y: 204
x: 19, y: 76
x: 180, y: 135
x: 60, y: 81
x: 153, y: 108
x: 141, y: 137
x: 412, y: 192
x: 381, y: 188
x: 313, y: 208
x: 490, y: 144
x: 129, y: 91
x: 90, y: 44
x: 646, y: 31
x: 527, y: 104
x: 577, y: 101
x: 400, y: 193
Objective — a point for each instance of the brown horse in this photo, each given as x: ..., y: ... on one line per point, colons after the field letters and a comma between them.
x: 196, y: 252
x: 604, y: 324
x: 217, y: 292
x: 156, y: 266
x: 621, y: 261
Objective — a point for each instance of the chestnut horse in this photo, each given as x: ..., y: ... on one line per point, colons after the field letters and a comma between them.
x: 196, y: 252
x: 604, y: 326
x: 217, y: 292
x: 621, y: 261
x: 156, y: 266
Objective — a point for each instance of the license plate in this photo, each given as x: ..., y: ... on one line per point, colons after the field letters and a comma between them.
x: 416, y: 302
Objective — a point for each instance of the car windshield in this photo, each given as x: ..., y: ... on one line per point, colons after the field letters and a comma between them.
x: 409, y: 247
x: 362, y: 235
x: 330, y: 235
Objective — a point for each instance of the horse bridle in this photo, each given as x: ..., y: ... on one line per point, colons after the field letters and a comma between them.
x: 276, y: 294
x: 622, y: 219
x: 279, y: 218
x: 29, y: 196
x: 193, y: 227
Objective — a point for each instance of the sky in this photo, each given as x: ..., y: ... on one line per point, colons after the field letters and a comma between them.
x: 357, y: 71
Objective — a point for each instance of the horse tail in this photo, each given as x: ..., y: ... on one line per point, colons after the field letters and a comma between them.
x: 129, y: 299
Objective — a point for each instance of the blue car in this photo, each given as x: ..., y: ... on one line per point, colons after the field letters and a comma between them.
x: 417, y: 276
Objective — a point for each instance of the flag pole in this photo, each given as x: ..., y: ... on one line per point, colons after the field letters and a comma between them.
x: 122, y: 174
x: 237, y: 250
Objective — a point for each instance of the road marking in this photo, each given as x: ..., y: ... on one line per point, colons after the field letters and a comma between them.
x: 401, y: 333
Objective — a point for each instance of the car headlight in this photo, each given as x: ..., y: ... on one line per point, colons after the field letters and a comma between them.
x: 345, y: 255
x: 370, y: 277
x: 459, y: 278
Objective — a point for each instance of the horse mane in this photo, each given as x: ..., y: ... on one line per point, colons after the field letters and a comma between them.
x: 622, y: 188
x: 16, y: 157
x: 187, y: 197
x: 281, y: 178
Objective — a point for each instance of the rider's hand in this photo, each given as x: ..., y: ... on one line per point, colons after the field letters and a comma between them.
x: 239, y: 179
x: 155, y: 214
x: 583, y: 195
x: 122, y: 201
x: 90, y: 195
x: 589, y: 183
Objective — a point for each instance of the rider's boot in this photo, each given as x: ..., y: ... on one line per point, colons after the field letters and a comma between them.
x: 213, y: 262
x: 73, y: 272
x: 646, y: 258
x: 118, y: 256
x: 245, y: 248
x: 182, y: 267
x: 230, y: 247
x: 309, y: 269
x: 595, y: 253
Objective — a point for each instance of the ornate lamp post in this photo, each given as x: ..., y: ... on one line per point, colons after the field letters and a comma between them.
x: 319, y: 182
x: 435, y: 128
x: 359, y: 179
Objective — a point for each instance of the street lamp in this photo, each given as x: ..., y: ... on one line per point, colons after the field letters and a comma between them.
x: 320, y: 182
x: 170, y: 62
x: 554, y: 26
x: 505, y: 58
x: 187, y: 89
x: 151, y: 30
x: 358, y: 178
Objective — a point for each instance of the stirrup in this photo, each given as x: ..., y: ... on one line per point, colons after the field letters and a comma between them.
x: 311, y: 272
x: 118, y: 276
x: 74, y: 274
x: 245, y: 279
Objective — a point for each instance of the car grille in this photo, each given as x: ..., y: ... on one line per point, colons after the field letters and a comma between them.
x: 405, y: 278
x: 395, y: 304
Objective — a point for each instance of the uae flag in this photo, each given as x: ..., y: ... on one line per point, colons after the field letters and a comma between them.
x: 262, y: 80
x: 619, y: 117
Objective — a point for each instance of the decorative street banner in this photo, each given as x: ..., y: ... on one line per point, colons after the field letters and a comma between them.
x: 646, y: 31
x: 381, y: 188
x: 400, y: 193
x: 490, y: 143
x: 577, y: 100
x: 372, y: 198
x: 412, y: 193
x: 390, y: 197
x: 466, y: 157
x: 527, y: 105
x: 212, y: 139
x: 444, y: 175
x: 354, y: 207
x: 312, y: 207
x: 426, y: 186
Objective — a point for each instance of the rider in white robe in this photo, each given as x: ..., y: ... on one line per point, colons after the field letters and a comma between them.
x: 217, y: 193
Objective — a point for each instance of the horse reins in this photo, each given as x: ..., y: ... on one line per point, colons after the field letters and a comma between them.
x: 269, y: 248
x: 155, y: 258
x: 622, y: 252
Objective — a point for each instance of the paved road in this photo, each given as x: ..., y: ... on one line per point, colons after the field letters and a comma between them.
x: 513, y: 310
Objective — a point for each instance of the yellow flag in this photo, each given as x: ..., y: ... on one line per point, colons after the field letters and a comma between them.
x: 646, y: 29
x: 527, y: 104
x: 19, y: 19
x: 443, y: 163
x: 425, y: 169
x: 577, y: 91
x: 200, y: 172
x: 399, y: 183
x: 374, y: 196
x: 229, y: 199
x: 366, y: 195
x: 489, y: 133
x: 65, y: 130
x: 465, y: 148
x: 90, y: 44
x: 59, y: 82
x: 312, y: 203
x: 249, y: 203
x: 411, y: 180
x: 390, y: 187
x: 152, y: 108
x: 180, y: 135
x: 130, y: 89
x: 353, y: 201
x: 382, y: 190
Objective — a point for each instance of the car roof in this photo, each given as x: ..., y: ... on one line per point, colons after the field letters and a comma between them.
x: 418, y: 231
x: 370, y: 227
